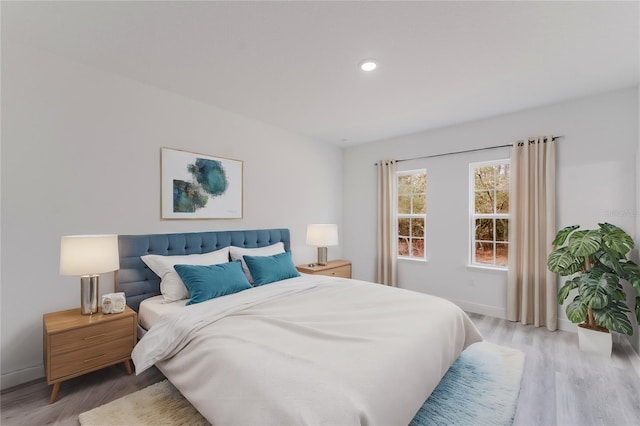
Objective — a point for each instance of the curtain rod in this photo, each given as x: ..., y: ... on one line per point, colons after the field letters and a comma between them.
x: 465, y: 151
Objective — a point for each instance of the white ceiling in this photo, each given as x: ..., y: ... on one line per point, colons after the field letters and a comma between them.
x: 295, y: 64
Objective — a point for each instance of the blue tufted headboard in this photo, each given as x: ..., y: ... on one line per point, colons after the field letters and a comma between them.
x: 139, y: 282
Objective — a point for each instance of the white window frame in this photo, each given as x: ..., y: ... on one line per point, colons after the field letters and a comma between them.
x: 410, y: 216
x: 473, y: 215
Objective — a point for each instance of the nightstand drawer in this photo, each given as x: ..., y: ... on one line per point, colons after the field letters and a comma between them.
x: 341, y: 271
x: 90, y: 358
x: 86, y: 337
x: 333, y: 268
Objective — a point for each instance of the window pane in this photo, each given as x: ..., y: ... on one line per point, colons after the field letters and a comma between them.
x: 403, y: 227
x: 417, y: 246
x: 502, y: 229
x: 502, y: 201
x: 404, y: 184
x: 419, y: 204
x: 484, y: 177
x: 404, y: 204
x: 502, y: 176
x: 484, y: 202
x: 420, y: 183
x: 502, y: 254
x: 403, y: 247
x: 417, y: 227
x: 484, y: 229
x: 484, y: 253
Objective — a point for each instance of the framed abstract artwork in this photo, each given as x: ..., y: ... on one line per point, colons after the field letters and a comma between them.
x: 197, y: 186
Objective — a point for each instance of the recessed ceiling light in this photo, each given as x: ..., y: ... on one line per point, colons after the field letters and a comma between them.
x: 368, y: 65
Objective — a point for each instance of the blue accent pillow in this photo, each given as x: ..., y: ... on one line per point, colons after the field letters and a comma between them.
x: 208, y: 282
x: 269, y: 269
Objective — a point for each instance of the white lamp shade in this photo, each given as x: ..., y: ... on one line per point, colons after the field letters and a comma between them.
x: 88, y: 254
x: 322, y: 234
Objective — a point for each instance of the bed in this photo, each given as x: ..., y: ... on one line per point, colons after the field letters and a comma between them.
x: 305, y: 349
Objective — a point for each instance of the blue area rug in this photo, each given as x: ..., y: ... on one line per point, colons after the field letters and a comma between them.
x: 480, y: 388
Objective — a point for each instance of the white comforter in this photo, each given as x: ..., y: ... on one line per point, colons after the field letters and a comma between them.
x: 311, y: 350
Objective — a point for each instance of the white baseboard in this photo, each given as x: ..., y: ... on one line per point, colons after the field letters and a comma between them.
x: 19, y: 377
x: 477, y: 308
x: 496, y: 312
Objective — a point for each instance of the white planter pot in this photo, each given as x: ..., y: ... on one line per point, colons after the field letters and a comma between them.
x: 594, y: 341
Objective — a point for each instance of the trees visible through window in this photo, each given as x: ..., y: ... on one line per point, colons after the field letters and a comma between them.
x: 412, y: 213
x: 489, y: 183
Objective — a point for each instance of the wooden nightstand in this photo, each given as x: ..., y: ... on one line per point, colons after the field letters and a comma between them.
x: 76, y: 344
x: 334, y: 268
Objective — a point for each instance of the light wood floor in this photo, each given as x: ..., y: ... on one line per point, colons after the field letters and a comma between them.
x: 560, y: 386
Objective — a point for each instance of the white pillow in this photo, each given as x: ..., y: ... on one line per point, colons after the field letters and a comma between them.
x: 171, y: 286
x: 237, y: 253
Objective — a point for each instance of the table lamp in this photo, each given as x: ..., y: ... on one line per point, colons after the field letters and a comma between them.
x: 88, y: 256
x: 322, y: 235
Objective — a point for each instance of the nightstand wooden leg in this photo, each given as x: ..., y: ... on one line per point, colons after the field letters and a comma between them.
x: 54, y: 392
x: 127, y: 365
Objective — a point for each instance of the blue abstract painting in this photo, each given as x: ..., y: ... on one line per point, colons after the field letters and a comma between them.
x: 195, y: 186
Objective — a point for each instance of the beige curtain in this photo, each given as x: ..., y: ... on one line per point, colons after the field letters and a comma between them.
x: 532, y: 290
x: 387, y: 243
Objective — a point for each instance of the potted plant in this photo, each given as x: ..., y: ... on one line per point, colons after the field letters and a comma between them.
x: 597, y: 260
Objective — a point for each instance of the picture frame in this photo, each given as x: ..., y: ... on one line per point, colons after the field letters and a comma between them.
x: 198, y: 186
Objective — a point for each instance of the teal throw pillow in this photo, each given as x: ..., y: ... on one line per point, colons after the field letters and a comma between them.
x: 208, y: 282
x: 269, y: 269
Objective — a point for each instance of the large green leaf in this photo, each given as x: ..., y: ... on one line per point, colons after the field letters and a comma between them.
x: 610, y: 281
x: 562, y: 235
x: 566, y: 288
x: 632, y: 274
x: 611, y: 260
x: 606, y: 228
x: 634, y: 280
x: 584, y: 243
x: 596, y: 288
x: 609, y: 284
x: 630, y: 267
x: 615, y: 239
x: 618, y: 293
x: 614, y: 317
x: 563, y: 262
x: 592, y: 276
x: 577, y: 311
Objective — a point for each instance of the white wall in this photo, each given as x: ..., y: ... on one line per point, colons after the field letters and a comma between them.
x: 596, y: 183
x: 81, y: 155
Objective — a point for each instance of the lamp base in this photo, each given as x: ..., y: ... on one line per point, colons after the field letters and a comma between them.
x: 322, y: 256
x: 89, y: 294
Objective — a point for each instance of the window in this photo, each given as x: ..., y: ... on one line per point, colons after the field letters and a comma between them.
x: 489, y: 184
x: 411, y: 213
